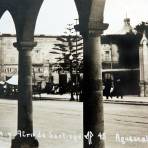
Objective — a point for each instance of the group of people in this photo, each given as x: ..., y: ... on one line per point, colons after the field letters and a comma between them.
x: 113, y: 88
x: 8, y: 90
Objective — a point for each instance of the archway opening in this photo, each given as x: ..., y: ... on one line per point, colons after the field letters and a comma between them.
x: 8, y: 53
x: 7, y: 24
x: 8, y: 67
x: 54, y: 17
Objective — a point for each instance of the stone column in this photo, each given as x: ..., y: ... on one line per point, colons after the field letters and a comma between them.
x: 24, y: 135
x: 92, y: 89
x: 143, y: 65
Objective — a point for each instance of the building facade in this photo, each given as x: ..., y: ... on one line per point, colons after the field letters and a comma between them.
x: 122, y: 58
x: 41, y: 58
x: 117, y: 60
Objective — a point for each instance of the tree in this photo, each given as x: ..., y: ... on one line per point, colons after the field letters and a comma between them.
x: 70, y: 51
x: 140, y: 28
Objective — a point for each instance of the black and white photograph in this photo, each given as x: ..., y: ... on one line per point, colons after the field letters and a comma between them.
x: 73, y: 74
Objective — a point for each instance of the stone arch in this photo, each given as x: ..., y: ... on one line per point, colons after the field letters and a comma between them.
x: 24, y: 13
x: 24, y: 16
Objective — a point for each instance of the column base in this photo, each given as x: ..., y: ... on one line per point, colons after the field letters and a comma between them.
x: 141, y: 94
x: 143, y: 89
x: 22, y: 142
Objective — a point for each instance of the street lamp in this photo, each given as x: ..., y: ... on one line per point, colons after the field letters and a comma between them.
x: 70, y: 57
x: 71, y: 82
x: 76, y: 60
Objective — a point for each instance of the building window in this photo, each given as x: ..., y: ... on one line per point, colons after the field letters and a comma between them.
x: 107, y: 56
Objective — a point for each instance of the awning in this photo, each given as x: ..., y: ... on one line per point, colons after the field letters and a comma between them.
x: 13, y: 80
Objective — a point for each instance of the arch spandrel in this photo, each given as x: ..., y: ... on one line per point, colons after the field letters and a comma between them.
x: 83, y: 5
x: 25, y: 18
x: 91, y: 14
x: 83, y: 8
x: 2, y: 11
x: 97, y: 10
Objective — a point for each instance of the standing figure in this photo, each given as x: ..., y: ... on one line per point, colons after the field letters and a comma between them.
x: 118, y: 88
x: 108, y: 85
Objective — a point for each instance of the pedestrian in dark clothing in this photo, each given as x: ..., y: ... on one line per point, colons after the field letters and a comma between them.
x: 108, y: 85
x: 118, y: 88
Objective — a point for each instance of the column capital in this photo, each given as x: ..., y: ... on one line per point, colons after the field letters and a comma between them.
x: 24, y: 45
x: 93, y: 28
x: 97, y: 27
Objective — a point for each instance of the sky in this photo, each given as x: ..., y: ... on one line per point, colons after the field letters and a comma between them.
x: 54, y: 16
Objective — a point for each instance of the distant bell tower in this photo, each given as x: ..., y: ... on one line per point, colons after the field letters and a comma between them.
x: 127, y: 28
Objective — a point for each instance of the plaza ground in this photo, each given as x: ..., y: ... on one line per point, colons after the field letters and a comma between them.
x: 58, y: 123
